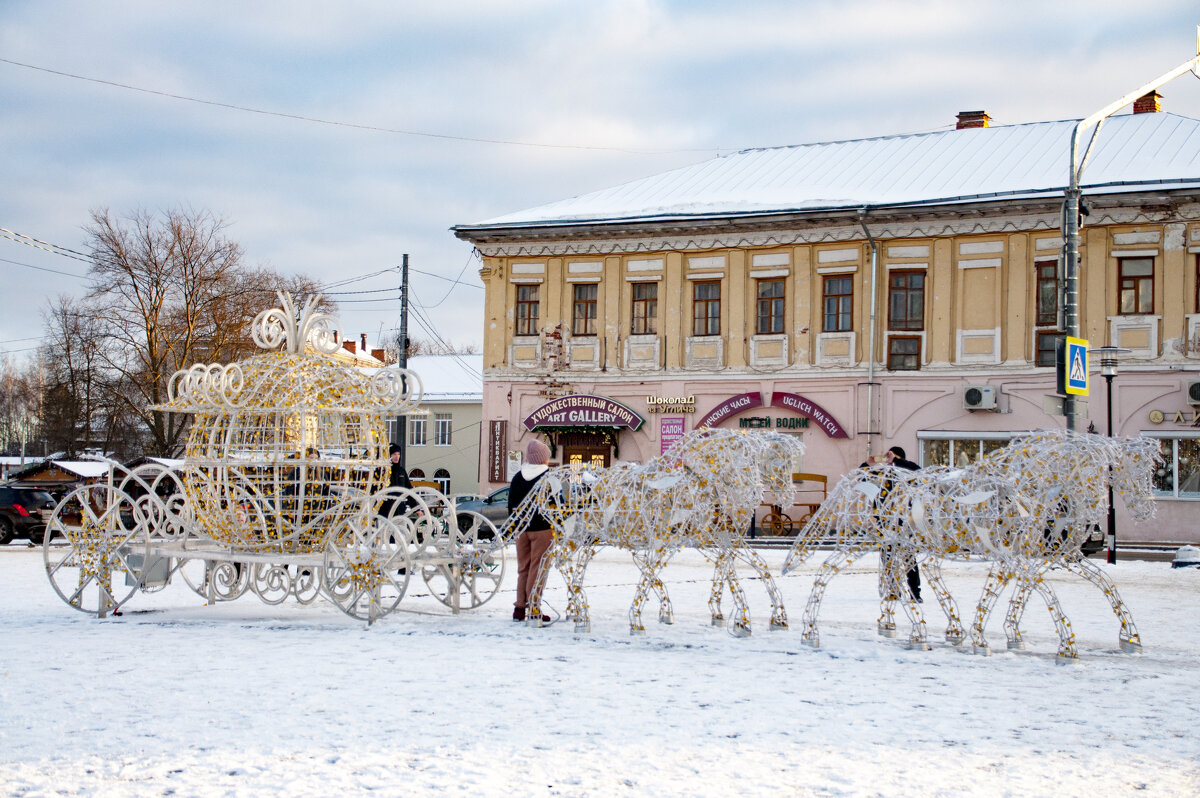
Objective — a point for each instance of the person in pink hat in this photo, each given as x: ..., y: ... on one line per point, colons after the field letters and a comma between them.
x: 537, y: 537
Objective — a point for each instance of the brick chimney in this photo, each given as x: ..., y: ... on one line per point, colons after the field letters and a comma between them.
x: 972, y: 119
x: 348, y: 346
x: 1148, y: 103
x: 363, y: 338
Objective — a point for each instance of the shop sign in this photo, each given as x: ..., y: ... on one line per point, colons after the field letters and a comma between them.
x: 766, y: 422
x: 1190, y: 417
x: 670, y: 430
x: 670, y: 404
x: 583, y: 410
x: 804, y: 407
x: 497, y: 451
x: 731, y: 407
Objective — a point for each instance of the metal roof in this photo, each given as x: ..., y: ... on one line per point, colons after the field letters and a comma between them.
x: 1133, y: 152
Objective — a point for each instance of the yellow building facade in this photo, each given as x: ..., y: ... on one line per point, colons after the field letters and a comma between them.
x: 928, y: 322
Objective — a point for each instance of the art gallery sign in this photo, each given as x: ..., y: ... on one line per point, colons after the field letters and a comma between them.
x: 583, y: 410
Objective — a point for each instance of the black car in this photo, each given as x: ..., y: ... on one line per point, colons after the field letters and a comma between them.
x: 24, y: 513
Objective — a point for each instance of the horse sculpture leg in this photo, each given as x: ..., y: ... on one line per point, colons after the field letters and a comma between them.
x: 1067, y: 651
x: 778, y: 612
x: 997, y: 578
x: 645, y: 585
x: 829, y: 568
x: 577, y: 605
x: 954, y: 628
x: 717, y: 593
x: 892, y: 570
x: 1016, y: 611
x: 1129, y: 639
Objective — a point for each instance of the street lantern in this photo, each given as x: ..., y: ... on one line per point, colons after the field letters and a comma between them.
x: 1108, y: 370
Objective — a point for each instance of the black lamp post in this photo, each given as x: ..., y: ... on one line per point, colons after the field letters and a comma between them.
x: 1108, y: 369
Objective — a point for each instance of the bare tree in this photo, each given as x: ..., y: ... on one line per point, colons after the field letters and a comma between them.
x: 20, y: 405
x: 427, y: 346
x: 170, y: 290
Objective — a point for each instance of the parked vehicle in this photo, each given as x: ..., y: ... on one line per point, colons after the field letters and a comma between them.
x: 24, y: 513
x: 493, y: 507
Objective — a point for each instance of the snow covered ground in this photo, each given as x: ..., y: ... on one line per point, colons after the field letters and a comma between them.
x: 177, y: 698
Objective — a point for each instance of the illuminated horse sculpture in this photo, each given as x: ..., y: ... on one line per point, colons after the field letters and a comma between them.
x: 1070, y: 474
x: 998, y: 509
x: 701, y: 493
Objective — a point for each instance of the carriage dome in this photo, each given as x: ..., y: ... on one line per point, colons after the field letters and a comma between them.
x: 279, y: 440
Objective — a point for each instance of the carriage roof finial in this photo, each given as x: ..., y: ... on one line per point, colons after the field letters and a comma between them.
x: 283, y: 325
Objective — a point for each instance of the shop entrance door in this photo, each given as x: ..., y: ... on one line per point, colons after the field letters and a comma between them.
x: 599, y: 456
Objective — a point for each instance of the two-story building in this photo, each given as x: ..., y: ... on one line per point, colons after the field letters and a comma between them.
x: 894, y: 290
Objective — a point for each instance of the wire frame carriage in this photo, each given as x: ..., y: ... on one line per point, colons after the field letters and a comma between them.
x: 283, y: 493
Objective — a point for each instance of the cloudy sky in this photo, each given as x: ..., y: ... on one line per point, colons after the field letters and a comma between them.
x: 436, y: 114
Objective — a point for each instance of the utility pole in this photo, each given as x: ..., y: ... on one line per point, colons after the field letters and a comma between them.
x: 402, y: 433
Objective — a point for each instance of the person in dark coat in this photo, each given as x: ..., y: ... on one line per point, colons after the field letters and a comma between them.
x: 533, y: 543
x: 397, y: 478
x: 895, y: 457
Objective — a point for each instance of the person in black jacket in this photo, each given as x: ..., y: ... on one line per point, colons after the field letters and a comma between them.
x: 895, y: 457
x: 397, y: 478
x: 537, y: 537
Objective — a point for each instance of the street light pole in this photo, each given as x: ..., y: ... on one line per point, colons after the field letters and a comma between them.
x: 1069, y: 312
x: 1108, y: 369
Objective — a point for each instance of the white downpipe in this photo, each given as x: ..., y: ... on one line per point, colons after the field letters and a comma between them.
x: 862, y: 220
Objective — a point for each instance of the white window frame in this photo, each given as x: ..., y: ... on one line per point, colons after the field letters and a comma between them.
x: 443, y: 429
x: 416, y: 431
x: 1173, y: 462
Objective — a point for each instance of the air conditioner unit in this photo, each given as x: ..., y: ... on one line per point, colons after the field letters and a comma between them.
x: 979, y: 397
x: 1193, y: 393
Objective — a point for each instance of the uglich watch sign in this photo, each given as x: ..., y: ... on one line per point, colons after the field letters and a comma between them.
x: 583, y: 410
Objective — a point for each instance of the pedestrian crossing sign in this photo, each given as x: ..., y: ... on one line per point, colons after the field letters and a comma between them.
x: 1077, y: 367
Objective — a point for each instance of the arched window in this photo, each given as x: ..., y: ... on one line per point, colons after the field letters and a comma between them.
x: 416, y: 473
x: 442, y: 477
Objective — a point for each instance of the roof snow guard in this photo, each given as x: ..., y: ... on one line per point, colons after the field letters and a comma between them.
x: 1134, y: 152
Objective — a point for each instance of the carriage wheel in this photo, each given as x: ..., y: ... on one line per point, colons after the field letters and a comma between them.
x: 366, y: 566
x: 98, y: 569
x: 776, y: 523
x: 478, y: 569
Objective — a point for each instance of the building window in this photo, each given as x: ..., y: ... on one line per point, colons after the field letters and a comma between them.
x: 584, y: 321
x: 706, y: 308
x: 959, y: 452
x: 444, y: 428
x: 1046, y: 352
x: 416, y: 431
x: 1197, y: 297
x: 416, y: 473
x: 1047, y: 293
x: 1135, y: 285
x: 906, y: 300
x: 527, y: 310
x: 770, y: 307
x: 839, y: 296
x: 904, y: 353
x: 645, y: 308
x: 442, y: 477
x: 1179, y: 475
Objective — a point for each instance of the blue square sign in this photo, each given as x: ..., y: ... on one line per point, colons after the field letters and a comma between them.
x: 1077, y: 366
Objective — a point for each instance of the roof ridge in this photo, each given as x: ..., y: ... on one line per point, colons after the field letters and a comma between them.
x: 937, y: 132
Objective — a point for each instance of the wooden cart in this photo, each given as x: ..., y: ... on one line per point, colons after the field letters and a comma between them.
x: 810, y: 491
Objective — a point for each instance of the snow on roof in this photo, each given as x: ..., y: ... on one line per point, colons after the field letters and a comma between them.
x: 1132, y: 152
x: 449, y: 378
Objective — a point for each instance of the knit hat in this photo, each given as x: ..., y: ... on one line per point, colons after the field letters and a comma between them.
x: 898, y: 451
x: 537, y: 452
x: 393, y: 449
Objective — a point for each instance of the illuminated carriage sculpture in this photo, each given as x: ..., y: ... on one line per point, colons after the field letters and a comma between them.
x: 282, y: 493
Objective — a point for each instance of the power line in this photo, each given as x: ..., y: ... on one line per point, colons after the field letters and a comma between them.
x: 43, y: 268
x: 353, y: 125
